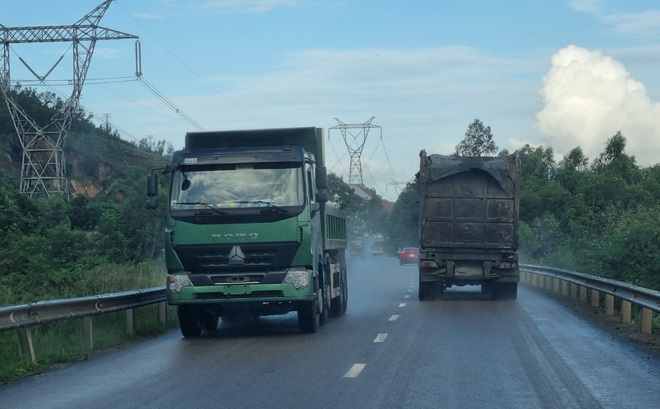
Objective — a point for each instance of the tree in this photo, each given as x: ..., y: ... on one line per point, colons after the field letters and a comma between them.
x: 478, y: 141
x: 402, y: 229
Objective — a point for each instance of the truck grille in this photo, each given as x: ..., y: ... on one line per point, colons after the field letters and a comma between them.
x: 219, y: 258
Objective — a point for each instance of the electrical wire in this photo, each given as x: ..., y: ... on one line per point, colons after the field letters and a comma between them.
x: 238, y: 108
x: 169, y: 103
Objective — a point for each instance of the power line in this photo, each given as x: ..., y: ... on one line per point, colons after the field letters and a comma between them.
x: 169, y: 103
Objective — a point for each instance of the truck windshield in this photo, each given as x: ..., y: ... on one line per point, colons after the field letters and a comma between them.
x: 237, y: 186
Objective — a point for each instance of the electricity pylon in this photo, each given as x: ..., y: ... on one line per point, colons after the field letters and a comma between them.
x: 355, y: 144
x: 43, y: 169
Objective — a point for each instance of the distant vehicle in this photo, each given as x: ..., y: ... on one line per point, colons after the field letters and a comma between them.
x: 409, y: 255
x: 357, y: 247
x: 377, y: 248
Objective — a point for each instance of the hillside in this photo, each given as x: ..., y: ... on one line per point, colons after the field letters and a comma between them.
x: 96, y: 158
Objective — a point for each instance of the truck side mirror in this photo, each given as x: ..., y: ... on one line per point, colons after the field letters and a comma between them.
x: 321, y: 197
x: 152, y: 185
x: 321, y: 178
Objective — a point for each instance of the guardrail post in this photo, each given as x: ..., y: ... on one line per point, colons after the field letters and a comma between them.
x: 25, y: 344
x: 130, y: 322
x: 564, y: 288
x: 87, y: 332
x: 595, y: 298
x: 609, y: 304
x: 162, y: 313
x: 626, y: 312
x: 647, y: 321
x: 583, y: 293
x: 555, y: 285
x: 574, y: 289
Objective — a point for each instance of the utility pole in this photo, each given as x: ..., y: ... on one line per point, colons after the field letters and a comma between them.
x: 43, y: 169
x: 355, y: 144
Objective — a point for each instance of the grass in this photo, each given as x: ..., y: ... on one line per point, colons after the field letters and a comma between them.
x: 62, y: 342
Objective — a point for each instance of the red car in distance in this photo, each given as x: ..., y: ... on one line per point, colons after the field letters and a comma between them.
x: 409, y: 255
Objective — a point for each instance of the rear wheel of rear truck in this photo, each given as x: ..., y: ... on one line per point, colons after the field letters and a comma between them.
x: 507, y: 291
x: 430, y: 290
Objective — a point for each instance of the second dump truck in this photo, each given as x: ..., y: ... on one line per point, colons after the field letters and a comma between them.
x: 249, y: 230
x: 468, y: 231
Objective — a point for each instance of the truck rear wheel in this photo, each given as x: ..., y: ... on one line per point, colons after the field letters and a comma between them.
x: 507, y: 291
x: 189, y: 321
x: 430, y: 290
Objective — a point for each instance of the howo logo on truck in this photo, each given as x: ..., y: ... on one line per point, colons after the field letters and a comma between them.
x: 236, y: 256
x: 234, y: 236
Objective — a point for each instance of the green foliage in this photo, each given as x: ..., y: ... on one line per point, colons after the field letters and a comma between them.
x: 599, y: 218
x: 478, y: 141
x: 402, y: 228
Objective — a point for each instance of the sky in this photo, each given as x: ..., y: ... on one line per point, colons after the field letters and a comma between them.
x: 551, y: 73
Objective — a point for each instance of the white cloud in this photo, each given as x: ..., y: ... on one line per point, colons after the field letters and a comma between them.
x: 588, y: 97
x: 642, y: 23
x: 645, y: 22
x: 586, y: 6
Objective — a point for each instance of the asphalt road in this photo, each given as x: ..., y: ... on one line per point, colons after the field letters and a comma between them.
x: 388, y: 351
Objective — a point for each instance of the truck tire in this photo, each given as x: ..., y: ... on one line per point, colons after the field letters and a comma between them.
x: 189, y: 321
x: 507, y: 291
x: 308, y: 317
x: 309, y: 312
x: 425, y: 291
x: 339, y: 304
x: 324, y: 295
x: 209, y: 322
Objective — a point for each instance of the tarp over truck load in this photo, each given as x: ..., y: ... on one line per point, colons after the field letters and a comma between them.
x: 469, y: 203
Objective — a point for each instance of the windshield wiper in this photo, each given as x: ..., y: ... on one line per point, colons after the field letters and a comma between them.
x: 206, y: 206
x: 264, y: 202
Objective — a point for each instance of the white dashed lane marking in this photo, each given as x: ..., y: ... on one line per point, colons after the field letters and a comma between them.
x: 380, y: 338
x: 394, y: 318
x: 355, y: 370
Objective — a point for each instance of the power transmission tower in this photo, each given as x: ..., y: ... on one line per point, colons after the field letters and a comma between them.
x: 355, y: 144
x: 43, y: 169
x: 396, y: 184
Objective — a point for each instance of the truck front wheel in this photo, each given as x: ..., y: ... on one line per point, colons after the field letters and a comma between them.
x: 190, y: 321
x: 308, y: 317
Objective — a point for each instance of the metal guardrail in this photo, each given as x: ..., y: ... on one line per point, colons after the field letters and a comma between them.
x: 23, y: 317
x: 648, y: 300
x: 44, y: 312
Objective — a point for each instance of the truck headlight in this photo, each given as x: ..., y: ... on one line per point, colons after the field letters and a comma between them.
x: 175, y: 283
x: 299, y: 278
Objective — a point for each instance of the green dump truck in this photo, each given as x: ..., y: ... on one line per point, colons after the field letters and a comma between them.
x: 249, y: 230
x: 468, y: 227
